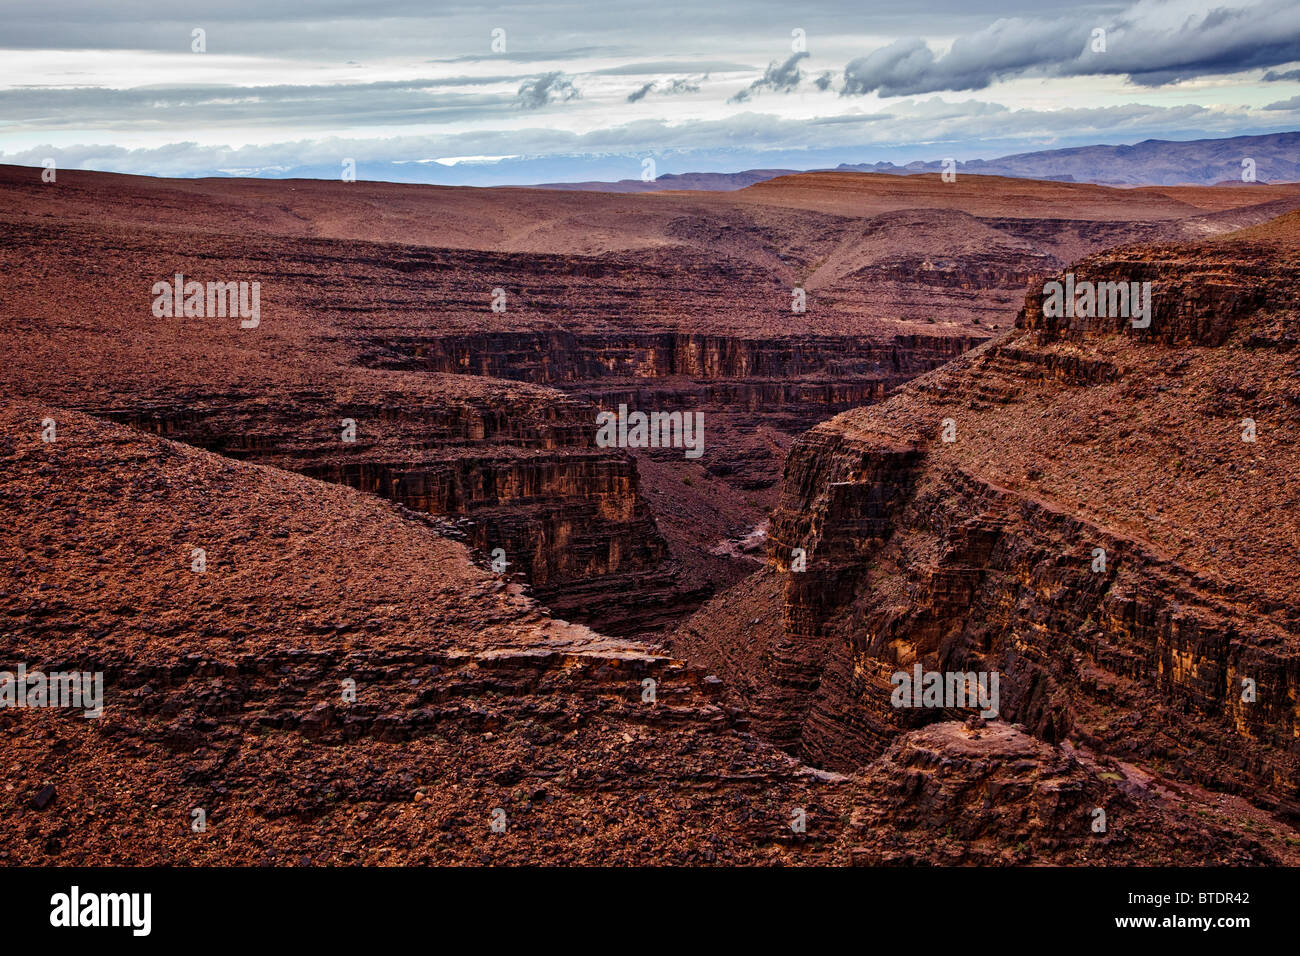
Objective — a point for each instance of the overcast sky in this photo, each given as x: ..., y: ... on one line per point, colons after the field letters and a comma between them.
x: 590, y: 88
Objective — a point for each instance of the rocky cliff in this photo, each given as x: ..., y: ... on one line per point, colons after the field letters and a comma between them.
x: 1103, y: 515
x: 337, y: 684
x: 224, y: 685
x: 472, y: 336
x: 538, y: 500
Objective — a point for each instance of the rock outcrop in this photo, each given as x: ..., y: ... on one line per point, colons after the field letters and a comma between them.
x: 337, y: 684
x: 1100, y: 515
x: 1109, y: 526
x: 473, y: 335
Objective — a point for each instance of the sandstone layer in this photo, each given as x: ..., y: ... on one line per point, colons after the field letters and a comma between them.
x: 1111, y: 527
x: 378, y: 309
x: 225, y: 691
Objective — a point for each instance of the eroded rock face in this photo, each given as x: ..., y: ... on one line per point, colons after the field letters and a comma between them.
x: 224, y: 685
x: 226, y: 689
x: 556, y: 358
x: 1200, y: 300
x: 380, y: 307
x: 738, y: 383
x: 518, y: 463
x: 526, y: 477
x: 956, y: 796
x: 339, y: 685
x: 1096, y: 531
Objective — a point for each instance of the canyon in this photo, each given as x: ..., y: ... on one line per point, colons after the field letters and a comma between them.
x: 478, y: 730
x: 1071, y: 439
x: 363, y: 552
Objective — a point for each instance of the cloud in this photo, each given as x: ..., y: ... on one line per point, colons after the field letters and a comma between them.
x: 1292, y: 104
x: 908, y: 66
x: 648, y: 68
x: 1152, y: 43
x: 779, y: 77
x: 553, y: 87
x: 682, y: 84
x: 275, y: 84
x: 640, y: 92
x: 673, y: 87
x: 424, y: 101
x: 933, y: 126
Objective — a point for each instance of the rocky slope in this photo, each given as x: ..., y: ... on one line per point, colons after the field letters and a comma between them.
x: 339, y: 685
x: 519, y: 463
x: 377, y: 304
x: 378, y: 308
x: 1111, y: 528
x: 477, y: 428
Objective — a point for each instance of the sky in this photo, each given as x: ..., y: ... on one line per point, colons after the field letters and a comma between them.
x: 489, y: 93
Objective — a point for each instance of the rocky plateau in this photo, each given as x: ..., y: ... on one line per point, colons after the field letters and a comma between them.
x: 562, y: 652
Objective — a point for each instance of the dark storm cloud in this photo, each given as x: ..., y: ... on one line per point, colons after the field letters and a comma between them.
x: 1151, y: 44
x: 909, y: 66
x: 1272, y: 76
x: 779, y: 76
x: 553, y: 87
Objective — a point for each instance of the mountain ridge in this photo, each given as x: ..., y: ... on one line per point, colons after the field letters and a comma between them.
x: 1152, y: 162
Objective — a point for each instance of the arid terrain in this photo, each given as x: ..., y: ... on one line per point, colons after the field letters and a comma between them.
x: 564, y: 652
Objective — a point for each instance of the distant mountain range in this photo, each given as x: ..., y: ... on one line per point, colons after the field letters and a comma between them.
x: 709, y: 182
x: 1153, y: 162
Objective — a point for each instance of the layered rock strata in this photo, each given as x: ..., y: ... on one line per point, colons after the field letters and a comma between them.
x: 1103, y: 515
x: 337, y: 684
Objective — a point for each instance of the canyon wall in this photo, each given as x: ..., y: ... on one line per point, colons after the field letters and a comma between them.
x: 525, y: 478
x: 339, y: 685
x: 380, y: 305
x: 1099, y: 528
x: 741, y: 384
